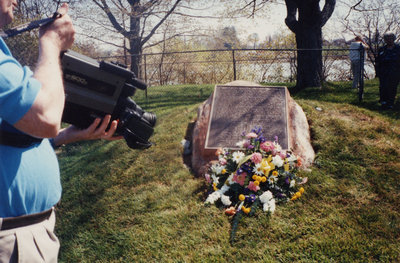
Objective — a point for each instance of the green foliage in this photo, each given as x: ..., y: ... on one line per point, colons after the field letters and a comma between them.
x: 235, y: 223
x: 123, y: 205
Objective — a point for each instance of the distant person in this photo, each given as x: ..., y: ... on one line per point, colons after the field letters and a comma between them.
x: 388, y: 70
x: 31, y: 107
x: 357, y: 47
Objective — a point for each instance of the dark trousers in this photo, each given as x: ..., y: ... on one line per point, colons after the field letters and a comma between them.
x: 388, y: 87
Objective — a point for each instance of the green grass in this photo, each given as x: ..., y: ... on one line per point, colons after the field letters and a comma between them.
x: 123, y: 205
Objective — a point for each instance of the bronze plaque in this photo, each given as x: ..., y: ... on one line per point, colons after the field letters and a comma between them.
x: 238, y: 109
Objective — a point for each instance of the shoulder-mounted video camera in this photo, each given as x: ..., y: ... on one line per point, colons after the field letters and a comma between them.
x: 94, y: 89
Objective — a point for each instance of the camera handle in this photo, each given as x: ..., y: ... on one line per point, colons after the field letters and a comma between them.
x: 31, y: 25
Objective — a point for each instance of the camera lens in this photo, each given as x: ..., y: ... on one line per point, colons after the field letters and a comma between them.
x: 150, y: 117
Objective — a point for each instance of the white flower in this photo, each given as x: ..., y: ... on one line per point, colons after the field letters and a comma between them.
x: 292, y: 158
x: 278, y: 148
x: 213, y: 197
x: 265, y: 197
x: 225, y: 200
x: 292, y: 183
x: 240, y: 206
x: 241, y: 143
x: 215, y: 179
x: 272, y: 179
x: 237, y: 156
x: 223, y: 189
x: 258, y: 169
x: 277, y: 160
x: 269, y: 206
x: 230, y: 179
x: 217, y: 168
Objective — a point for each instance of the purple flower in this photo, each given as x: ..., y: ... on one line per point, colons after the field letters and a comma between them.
x: 287, y: 181
x: 257, y: 130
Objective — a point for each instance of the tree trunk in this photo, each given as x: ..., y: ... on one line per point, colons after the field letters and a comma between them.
x: 135, y: 51
x: 305, y: 19
x: 309, y: 56
x: 135, y: 41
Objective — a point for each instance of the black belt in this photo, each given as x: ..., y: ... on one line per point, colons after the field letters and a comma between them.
x: 18, y: 140
x: 25, y: 220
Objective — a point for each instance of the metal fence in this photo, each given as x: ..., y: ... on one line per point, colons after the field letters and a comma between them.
x: 257, y: 65
x: 215, y: 66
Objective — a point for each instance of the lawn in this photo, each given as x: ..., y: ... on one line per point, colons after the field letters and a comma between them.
x: 124, y: 205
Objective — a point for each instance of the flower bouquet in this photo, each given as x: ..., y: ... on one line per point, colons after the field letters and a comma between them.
x: 260, y: 175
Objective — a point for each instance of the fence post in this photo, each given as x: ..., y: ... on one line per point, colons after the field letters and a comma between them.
x: 234, y: 64
x: 145, y: 71
x: 184, y: 73
x: 361, y: 80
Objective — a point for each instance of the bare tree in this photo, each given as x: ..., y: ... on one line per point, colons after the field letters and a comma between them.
x: 305, y: 19
x: 371, y: 20
x: 139, y: 13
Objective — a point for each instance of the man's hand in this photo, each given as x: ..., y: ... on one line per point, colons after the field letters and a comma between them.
x: 97, y: 130
x: 61, y: 32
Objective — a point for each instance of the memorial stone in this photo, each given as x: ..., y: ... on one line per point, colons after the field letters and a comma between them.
x: 272, y: 103
x: 238, y: 109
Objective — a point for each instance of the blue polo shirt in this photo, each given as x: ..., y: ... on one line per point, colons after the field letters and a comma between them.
x: 29, y: 177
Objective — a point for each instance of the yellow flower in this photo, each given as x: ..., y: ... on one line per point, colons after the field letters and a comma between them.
x: 246, y: 209
x: 223, y: 171
x: 215, y: 186
x: 254, y: 177
x: 286, y: 167
x: 275, y: 173
x: 263, y: 179
x: 265, y: 165
x: 256, y: 183
x: 269, y: 158
x: 241, y: 198
x: 272, y: 166
x: 301, y: 190
x: 296, y: 196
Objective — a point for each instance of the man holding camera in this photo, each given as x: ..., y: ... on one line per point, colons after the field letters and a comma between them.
x: 31, y: 107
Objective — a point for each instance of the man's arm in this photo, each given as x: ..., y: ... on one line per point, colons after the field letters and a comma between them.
x: 44, y: 117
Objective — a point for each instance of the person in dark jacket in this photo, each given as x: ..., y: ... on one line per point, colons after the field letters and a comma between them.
x: 388, y: 70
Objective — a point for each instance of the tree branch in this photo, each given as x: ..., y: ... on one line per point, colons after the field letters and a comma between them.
x: 154, y: 29
x: 111, y: 17
x: 290, y: 20
x: 327, y: 11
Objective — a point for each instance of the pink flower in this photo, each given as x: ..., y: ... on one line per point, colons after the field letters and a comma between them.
x: 253, y: 187
x: 246, y: 144
x: 256, y: 157
x: 251, y: 135
x: 239, y: 178
x: 267, y: 146
x: 222, y: 161
x: 208, y: 178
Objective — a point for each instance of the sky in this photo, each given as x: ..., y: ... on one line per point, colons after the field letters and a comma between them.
x: 272, y: 22
x: 267, y: 22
